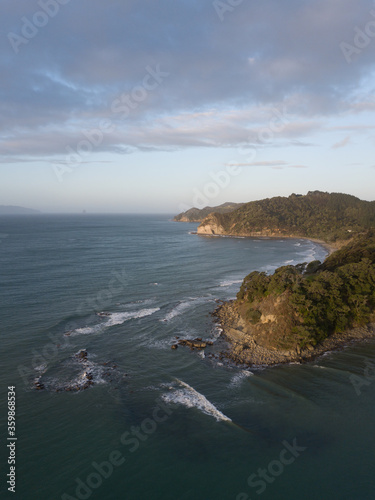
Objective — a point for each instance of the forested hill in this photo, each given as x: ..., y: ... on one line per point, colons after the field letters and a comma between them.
x: 302, y: 305
x: 198, y: 214
x: 327, y: 216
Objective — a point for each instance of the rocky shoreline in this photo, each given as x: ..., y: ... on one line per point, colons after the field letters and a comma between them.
x: 246, y: 351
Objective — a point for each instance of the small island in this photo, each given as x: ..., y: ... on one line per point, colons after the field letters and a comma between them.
x: 302, y: 311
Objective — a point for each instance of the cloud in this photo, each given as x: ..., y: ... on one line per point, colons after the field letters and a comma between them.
x: 341, y: 144
x: 291, y: 166
x: 259, y: 164
x: 224, y: 78
x: 275, y: 164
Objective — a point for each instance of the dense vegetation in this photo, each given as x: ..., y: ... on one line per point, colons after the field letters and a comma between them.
x: 317, y: 299
x: 197, y: 214
x: 327, y: 216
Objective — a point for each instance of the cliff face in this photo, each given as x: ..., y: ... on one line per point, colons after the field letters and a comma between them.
x: 211, y: 226
x: 251, y: 348
x: 268, y: 325
x: 214, y: 224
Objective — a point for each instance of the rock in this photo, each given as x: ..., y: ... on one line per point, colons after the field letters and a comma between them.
x: 197, y: 344
x: 174, y: 346
x: 82, y: 354
x: 194, y: 344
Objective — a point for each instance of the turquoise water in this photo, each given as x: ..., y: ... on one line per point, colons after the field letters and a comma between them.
x: 156, y: 423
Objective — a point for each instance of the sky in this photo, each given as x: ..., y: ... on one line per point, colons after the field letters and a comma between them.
x: 145, y: 106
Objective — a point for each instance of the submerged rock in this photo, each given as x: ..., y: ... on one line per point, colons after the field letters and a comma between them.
x: 81, y: 354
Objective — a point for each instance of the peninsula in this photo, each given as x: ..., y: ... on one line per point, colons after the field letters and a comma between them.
x: 301, y: 311
x: 199, y: 214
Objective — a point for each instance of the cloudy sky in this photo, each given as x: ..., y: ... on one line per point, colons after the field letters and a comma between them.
x: 123, y: 106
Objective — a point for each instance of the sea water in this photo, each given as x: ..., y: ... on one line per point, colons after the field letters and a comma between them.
x: 156, y: 423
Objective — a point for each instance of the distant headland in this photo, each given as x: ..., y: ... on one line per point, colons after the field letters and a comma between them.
x: 199, y: 214
x: 15, y: 210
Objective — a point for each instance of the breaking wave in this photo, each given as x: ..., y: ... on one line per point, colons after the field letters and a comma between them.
x: 112, y: 319
x: 190, y: 398
x: 226, y: 283
x: 181, y: 307
x: 239, y: 377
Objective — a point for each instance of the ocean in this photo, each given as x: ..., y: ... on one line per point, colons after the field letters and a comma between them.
x: 105, y: 409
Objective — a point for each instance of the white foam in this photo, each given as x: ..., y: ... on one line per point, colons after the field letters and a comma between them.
x: 113, y: 319
x: 216, y: 332
x: 87, y: 330
x: 179, y: 309
x: 239, y: 377
x: 226, y: 283
x: 189, y: 397
x: 120, y: 318
x: 41, y: 368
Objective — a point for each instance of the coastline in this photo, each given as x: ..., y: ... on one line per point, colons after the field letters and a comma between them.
x: 330, y: 247
x: 245, y: 351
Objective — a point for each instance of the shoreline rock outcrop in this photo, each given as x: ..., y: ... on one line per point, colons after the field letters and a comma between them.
x: 247, y: 349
